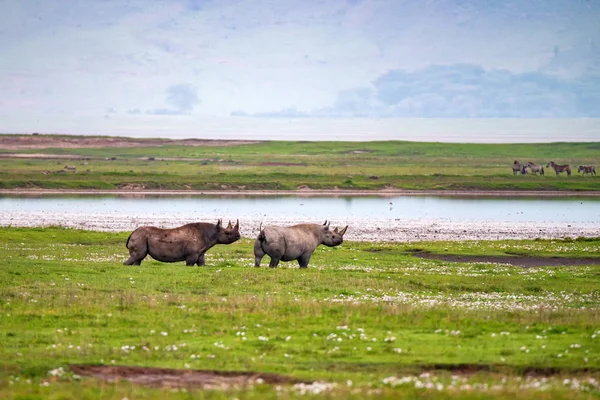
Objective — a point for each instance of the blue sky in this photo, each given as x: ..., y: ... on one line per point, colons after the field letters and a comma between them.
x: 297, y: 58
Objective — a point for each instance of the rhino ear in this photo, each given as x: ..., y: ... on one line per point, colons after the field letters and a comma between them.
x: 343, y: 230
x: 237, y: 225
x: 219, y: 223
x: 325, y: 223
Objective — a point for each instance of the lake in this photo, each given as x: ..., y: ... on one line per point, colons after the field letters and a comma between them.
x: 443, y: 208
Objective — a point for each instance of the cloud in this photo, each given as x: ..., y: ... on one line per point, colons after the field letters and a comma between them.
x: 295, y: 58
x: 463, y: 91
x: 182, y: 98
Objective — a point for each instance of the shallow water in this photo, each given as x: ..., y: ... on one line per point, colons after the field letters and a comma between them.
x: 467, y: 209
x: 406, y: 219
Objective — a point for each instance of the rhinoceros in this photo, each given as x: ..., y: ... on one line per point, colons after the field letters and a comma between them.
x: 296, y: 242
x: 186, y: 243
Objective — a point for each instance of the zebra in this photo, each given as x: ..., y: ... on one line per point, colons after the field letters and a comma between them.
x: 587, y: 169
x: 535, y: 168
x: 519, y: 168
x: 559, y: 168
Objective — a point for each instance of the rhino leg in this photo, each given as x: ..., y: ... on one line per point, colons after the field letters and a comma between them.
x: 304, y: 259
x: 138, y: 249
x: 201, y: 260
x: 192, y: 259
x: 259, y: 253
x: 274, y: 261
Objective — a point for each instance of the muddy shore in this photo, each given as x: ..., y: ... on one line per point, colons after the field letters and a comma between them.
x: 361, y: 229
x: 300, y: 192
x: 396, y: 230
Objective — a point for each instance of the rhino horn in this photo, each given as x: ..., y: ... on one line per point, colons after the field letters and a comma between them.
x: 229, y: 226
x: 335, y: 230
x: 237, y: 225
x: 343, y: 230
x: 325, y: 223
x: 218, y: 223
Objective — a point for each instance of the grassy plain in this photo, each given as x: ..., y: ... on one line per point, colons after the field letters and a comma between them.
x: 367, y: 317
x: 316, y: 165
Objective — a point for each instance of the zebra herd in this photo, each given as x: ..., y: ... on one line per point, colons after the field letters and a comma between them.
x: 523, y: 169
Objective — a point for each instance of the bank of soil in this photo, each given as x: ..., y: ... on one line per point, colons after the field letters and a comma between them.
x: 28, y: 142
x: 520, y: 261
x: 212, y: 379
x: 176, y: 378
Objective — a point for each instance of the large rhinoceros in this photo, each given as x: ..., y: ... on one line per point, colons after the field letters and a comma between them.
x: 187, y: 243
x: 296, y: 242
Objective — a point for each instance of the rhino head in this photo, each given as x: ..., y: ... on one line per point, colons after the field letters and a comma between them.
x: 228, y: 234
x: 333, y: 238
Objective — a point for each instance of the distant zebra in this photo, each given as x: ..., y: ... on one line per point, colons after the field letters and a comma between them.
x: 535, y: 168
x: 559, y: 168
x: 587, y: 169
x: 519, y: 168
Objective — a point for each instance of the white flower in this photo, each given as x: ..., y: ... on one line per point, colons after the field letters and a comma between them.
x: 263, y: 338
x: 57, y: 372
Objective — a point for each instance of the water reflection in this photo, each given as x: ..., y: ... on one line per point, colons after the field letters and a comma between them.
x: 463, y: 208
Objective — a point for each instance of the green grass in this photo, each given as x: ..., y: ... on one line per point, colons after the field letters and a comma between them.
x: 66, y: 298
x: 318, y: 165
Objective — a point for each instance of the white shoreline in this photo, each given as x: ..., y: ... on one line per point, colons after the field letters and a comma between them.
x: 301, y: 193
x: 360, y: 229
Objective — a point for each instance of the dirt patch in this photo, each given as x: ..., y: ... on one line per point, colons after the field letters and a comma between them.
x: 281, y: 164
x: 131, y: 186
x: 23, y: 142
x: 519, y: 261
x: 46, y: 156
x: 172, y: 378
x: 471, y: 369
x: 360, y: 151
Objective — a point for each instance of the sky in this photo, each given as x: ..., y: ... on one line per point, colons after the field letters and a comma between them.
x: 87, y: 64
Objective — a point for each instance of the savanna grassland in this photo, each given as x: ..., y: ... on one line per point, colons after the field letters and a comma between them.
x: 293, y: 165
x: 364, y: 319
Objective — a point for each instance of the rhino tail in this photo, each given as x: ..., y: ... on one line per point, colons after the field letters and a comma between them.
x: 261, y: 235
x: 127, y: 243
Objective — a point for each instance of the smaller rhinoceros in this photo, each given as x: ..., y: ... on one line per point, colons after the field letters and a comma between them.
x: 186, y: 243
x: 296, y: 242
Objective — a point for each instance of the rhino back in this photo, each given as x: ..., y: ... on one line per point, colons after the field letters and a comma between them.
x: 176, y: 244
x: 294, y: 240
